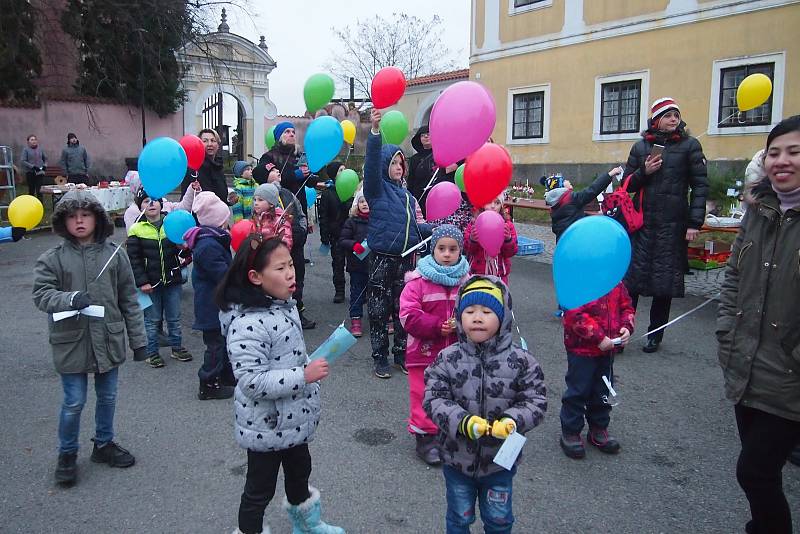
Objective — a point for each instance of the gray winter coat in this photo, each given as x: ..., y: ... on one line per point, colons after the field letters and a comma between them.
x: 87, y: 344
x: 75, y: 160
x: 274, y: 407
x: 492, y: 379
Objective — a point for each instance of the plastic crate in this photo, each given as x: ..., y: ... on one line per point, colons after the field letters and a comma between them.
x: 529, y: 247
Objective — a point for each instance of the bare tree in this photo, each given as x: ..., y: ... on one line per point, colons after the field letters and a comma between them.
x: 413, y: 45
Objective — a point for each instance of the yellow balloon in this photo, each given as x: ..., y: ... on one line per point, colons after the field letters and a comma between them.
x: 753, y: 91
x: 25, y: 211
x: 349, y: 130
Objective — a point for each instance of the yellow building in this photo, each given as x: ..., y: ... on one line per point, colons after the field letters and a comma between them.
x: 573, y: 80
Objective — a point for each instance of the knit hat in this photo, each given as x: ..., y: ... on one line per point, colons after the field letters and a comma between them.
x: 280, y: 128
x: 140, y: 197
x: 552, y: 197
x: 210, y: 210
x: 268, y: 192
x: 358, y: 195
x: 332, y: 169
x: 447, y: 230
x: 552, y: 182
x: 239, y: 167
x: 482, y: 293
x: 661, y: 106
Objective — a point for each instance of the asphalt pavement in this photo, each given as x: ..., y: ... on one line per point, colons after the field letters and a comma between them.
x: 676, y: 471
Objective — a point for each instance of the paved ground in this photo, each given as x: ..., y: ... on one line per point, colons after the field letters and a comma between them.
x: 675, y: 473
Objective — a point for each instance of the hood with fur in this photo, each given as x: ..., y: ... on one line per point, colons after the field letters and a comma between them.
x: 75, y: 200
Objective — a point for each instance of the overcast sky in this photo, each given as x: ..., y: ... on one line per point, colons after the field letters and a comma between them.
x: 300, y: 39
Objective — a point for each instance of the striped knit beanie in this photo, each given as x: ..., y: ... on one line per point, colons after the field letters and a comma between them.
x: 482, y: 293
x: 661, y: 106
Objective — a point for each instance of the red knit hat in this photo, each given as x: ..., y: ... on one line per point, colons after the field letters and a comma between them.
x: 661, y: 106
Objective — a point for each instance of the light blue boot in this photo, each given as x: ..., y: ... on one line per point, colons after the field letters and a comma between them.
x: 307, y: 516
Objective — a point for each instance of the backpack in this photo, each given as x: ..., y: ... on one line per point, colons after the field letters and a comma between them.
x: 620, y: 207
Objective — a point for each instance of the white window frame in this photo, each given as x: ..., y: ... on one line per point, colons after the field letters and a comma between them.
x: 545, y: 139
x: 779, y: 76
x: 644, y: 98
x: 524, y: 9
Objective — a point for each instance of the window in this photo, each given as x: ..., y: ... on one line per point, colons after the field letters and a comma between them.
x: 730, y: 79
x: 524, y: 3
x: 528, y: 115
x: 620, y: 106
x: 516, y: 7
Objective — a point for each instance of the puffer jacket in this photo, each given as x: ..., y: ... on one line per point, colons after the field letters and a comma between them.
x: 211, y: 251
x: 287, y: 158
x: 332, y: 215
x: 210, y: 176
x: 758, y: 323
x: 658, y: 256
x: 424, y: 306
x: 154, y: 258
x: 492, y: 379
x: 75, y: 160
x: 85, y: 344
x: 244, y: 189
x: 587, y: 326
x: 393, y: 225
x: 572, y: 205
x: 268, y: 223
x: 478, y: 259
x: 354, y: 230
x: 274, y: 407
x: 299, y: 218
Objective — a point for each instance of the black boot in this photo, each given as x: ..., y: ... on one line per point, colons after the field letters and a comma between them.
x: 307, y: 323
x: 112, y: 454
x: 338, y: 298
x: 652, y: 345
x: 426, y: 449
x: 66, y: 470
x: 214, y: 391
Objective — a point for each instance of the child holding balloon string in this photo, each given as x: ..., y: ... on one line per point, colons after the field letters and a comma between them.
x: 488, y: 250
x: 133, y: 214
x: 269, y: 218
x: 353, y: 234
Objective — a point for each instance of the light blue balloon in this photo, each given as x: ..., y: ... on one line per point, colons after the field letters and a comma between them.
x: 162, y: 166
x: 311, y: 196
x: 590, y: 259
x: 176, y: 223
x: 323, y: 141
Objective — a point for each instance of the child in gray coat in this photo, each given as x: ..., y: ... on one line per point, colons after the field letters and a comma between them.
x: 276, y: 400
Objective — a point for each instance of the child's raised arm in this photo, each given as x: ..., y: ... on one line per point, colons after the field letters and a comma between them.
x: 530, y: 400
x: 372, y: 160
x: 438, y: 402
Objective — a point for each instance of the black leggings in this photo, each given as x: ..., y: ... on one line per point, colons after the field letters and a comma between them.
x: 659, y: 314
x: 767, y: 440
x: 262, y: 476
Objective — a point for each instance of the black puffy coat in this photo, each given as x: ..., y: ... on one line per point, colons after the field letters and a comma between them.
x: 354, y: 230
x: 572, y: 208
x: 211, y: 177
x: 154, y: 258
x: 658, y: 260
x: 286, y: 158
x: 332, y: 215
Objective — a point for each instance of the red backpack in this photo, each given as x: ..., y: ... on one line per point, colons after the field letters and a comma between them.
x: 620, y: 207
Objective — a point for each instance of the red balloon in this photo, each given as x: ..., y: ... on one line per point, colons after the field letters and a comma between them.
x: 388, y: 87
x: 195, y: 150
x: 487, y: 173
x: 239, y: 233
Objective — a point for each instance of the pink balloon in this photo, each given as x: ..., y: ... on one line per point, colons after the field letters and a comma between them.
x: 462, y: 119
x: 443, y: 200
x: 489, y: 227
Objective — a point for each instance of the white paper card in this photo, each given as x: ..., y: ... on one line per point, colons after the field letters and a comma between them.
x: 510, y: 450
x: 91, y: 311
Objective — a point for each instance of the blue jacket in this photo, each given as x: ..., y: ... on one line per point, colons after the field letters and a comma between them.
x: 211, y: 252
x: 393, y: 226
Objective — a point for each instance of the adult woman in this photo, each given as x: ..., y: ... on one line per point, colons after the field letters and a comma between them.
x: 34, y: 162
x: 758, y: 328
x: 210, y: 175
x: 662, y: 177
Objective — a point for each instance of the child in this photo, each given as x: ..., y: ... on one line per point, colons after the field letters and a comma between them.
x: 427, y: 309
x: 588, y: 334
x: 134, y: 214
x: 157, y: 272
x: 268, y: 218
x: 277, y: 394
x: 480, y: 262
x: 244, y: 186
x: 354, y: 232
x: 332, y: 215
x: 66, y: 278
x: 211, y: 246
x: 478, y: 391
x: 567, y: 206
x: 395, y: 226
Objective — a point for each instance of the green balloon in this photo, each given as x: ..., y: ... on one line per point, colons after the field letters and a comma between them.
x: 318, y: 91
x: 346, y: 184
x: 269, y: 137
x: 460, y: 178
x: 394, y: 127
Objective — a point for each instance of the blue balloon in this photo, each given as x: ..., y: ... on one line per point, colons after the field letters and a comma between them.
x: 176, y: 223
x: 311, y: 196
x: 323, y: 141
x: 162, y: 166
x: 590, y: 259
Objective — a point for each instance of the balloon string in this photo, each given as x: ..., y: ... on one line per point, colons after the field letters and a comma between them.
x: 680, y: 317
x: 349, y: 151
x: 735, y: 113
x: 141, y: 213
x: 431, y: 181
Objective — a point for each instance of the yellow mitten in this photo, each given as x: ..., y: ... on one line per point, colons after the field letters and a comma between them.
x: 473, y: 426
x: 503, y: 427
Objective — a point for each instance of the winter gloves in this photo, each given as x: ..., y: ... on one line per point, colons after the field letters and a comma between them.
x: 358, y: 248
x: 80, y: 300
x: 16, y: 233
x: 475, y: 427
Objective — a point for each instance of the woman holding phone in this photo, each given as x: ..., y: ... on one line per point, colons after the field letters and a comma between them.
x: 665, y: 165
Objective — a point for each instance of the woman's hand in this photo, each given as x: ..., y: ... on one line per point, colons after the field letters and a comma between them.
x: 691, y: 234
x: 196, y: 186
x: 316, y: 370
x: 375, y: 118
x: 451, y: 168
x: 147, y: 288
x: 652, y: 164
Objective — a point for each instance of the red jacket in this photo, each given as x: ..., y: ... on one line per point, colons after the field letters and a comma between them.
x: 478, y: 259
x: 585, y: 327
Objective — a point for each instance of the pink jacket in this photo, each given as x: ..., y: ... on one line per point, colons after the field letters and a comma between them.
x: 424, y: 306
x: 478, y: 258
x: 268, y: 226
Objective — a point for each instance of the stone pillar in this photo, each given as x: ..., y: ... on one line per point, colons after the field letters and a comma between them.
x: 256, y: 146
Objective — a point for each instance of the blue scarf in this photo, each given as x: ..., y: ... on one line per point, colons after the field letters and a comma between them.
x: 441, y: 274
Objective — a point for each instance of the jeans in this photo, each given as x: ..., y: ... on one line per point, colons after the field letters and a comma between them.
x: 358, y: 290
x: 659, y: 314
x: 584, y: 394
x: 494, y: 494
x: 337, y: 265
x: 69, y: 422
x: 262, y: 476
x: 386, y: 281
x: 216, y: 365
x: 767, y: 440
x: 166, y: 304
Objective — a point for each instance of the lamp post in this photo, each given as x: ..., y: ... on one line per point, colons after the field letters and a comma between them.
x: 141, y: 82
